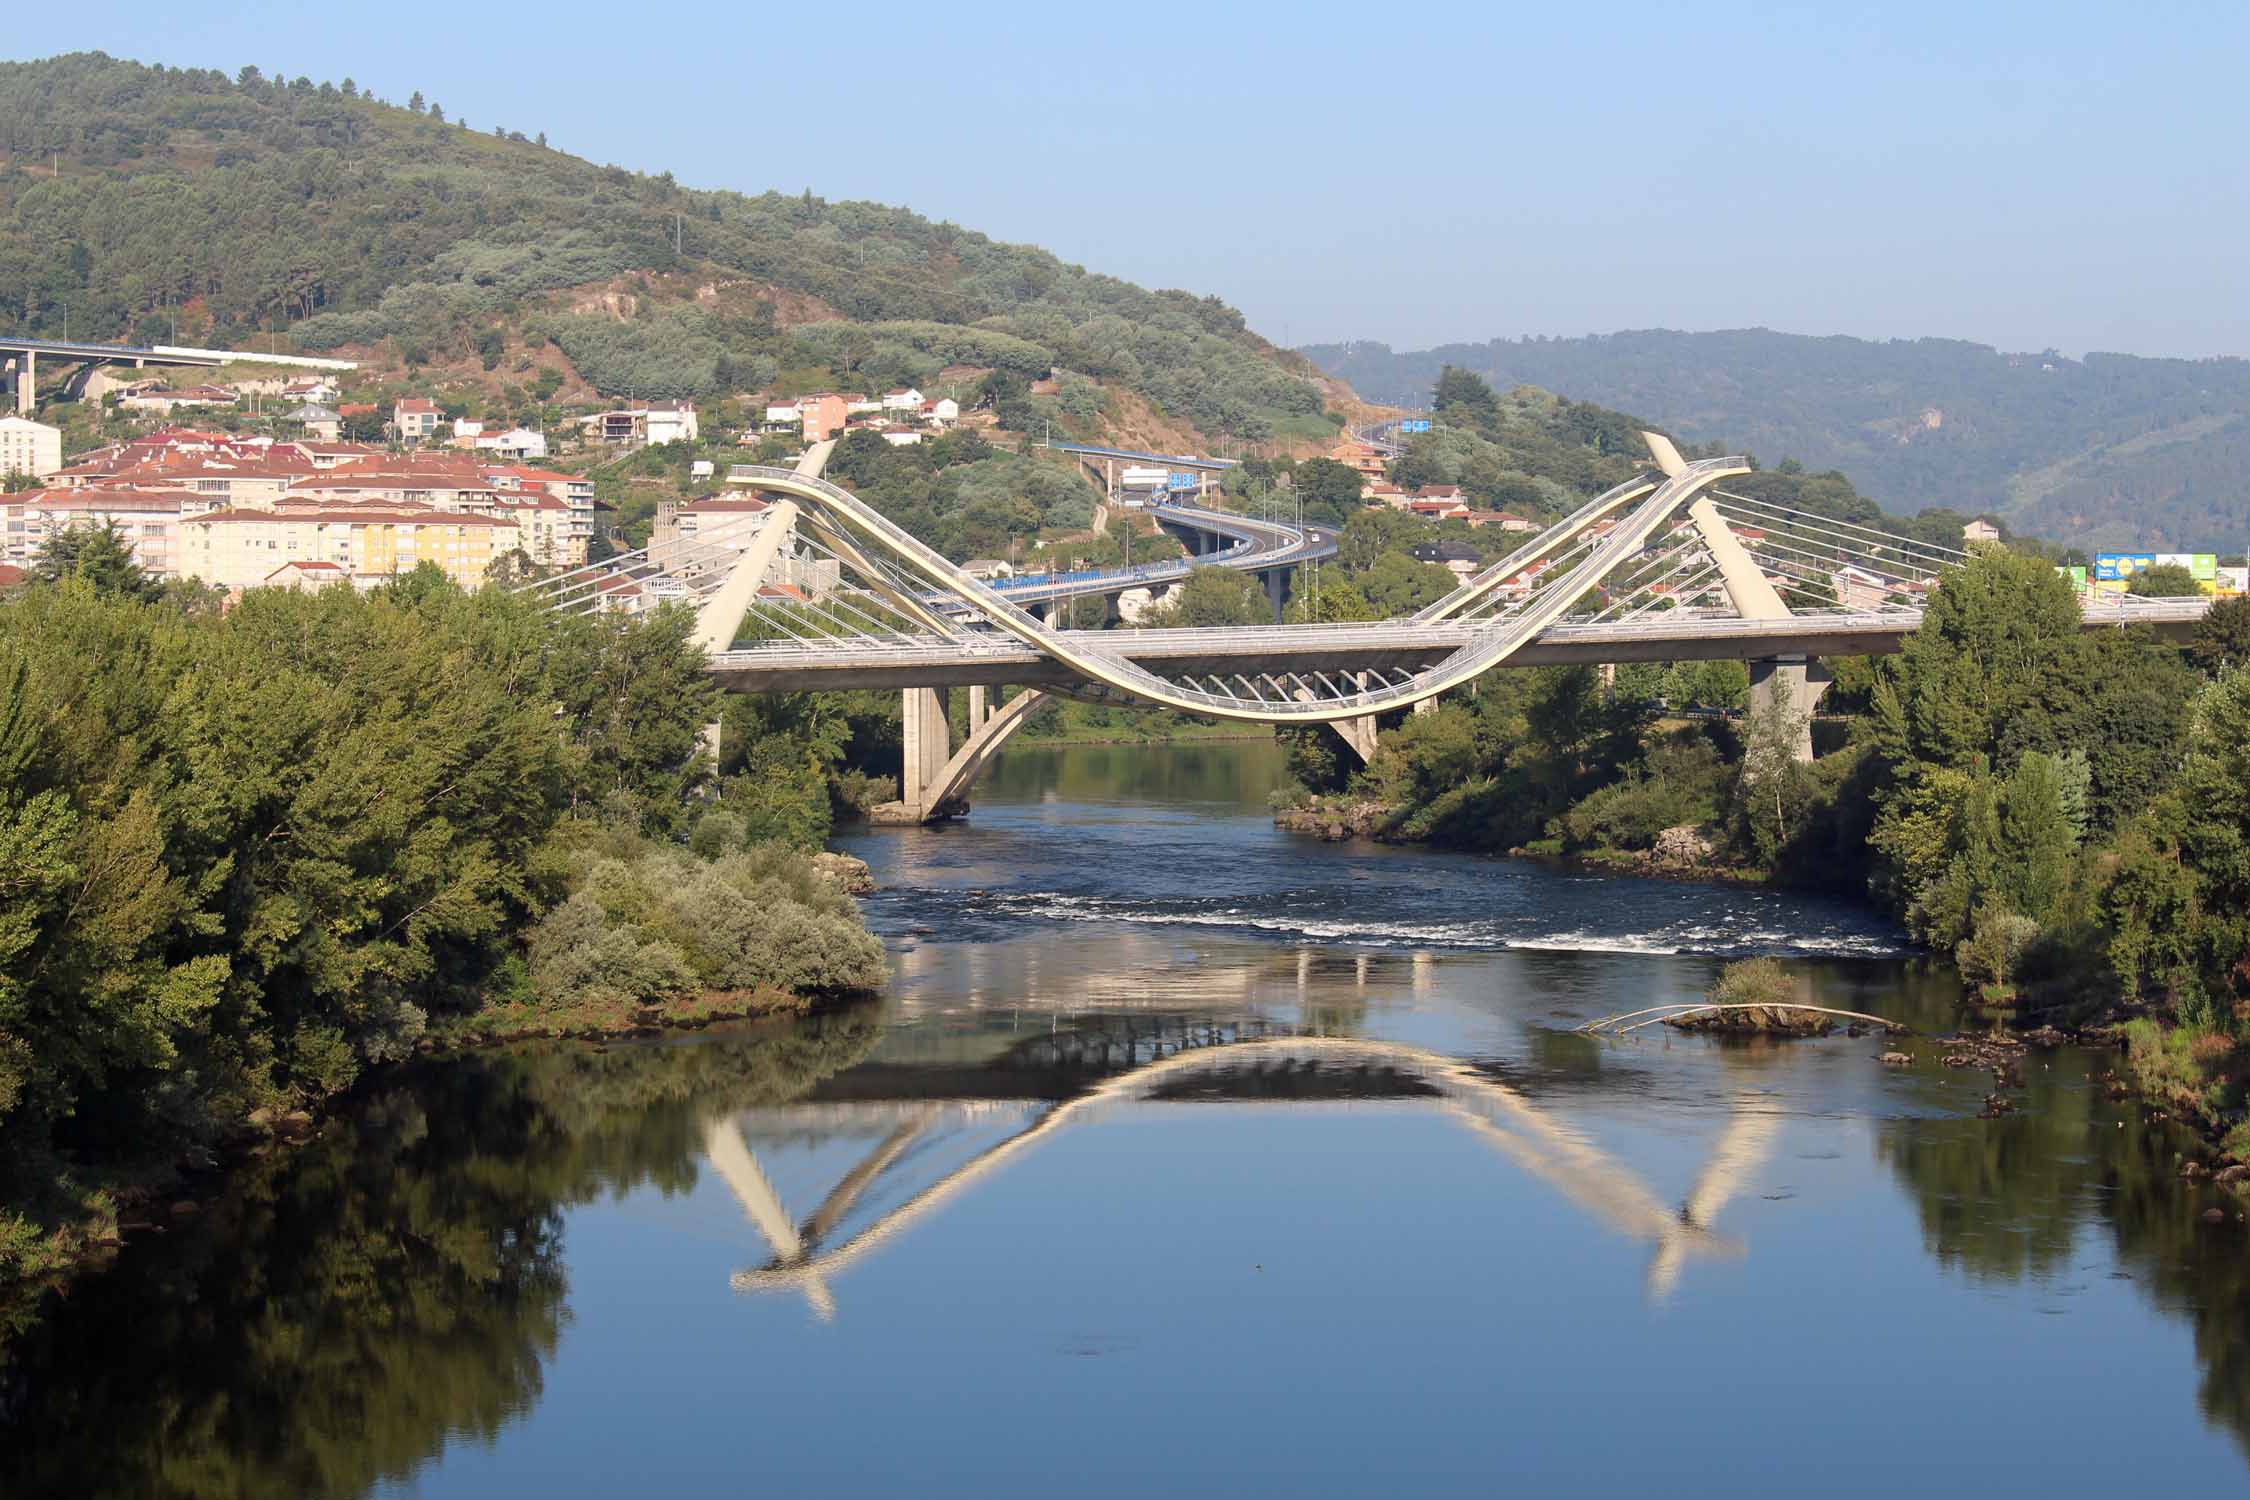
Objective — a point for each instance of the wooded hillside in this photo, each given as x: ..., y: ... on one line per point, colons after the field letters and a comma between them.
x: 138, y: 197
x: 2111, y: 450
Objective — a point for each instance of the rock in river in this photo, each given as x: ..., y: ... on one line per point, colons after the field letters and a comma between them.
x: 846, y: 872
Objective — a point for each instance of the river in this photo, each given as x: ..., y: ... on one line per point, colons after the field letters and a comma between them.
x: 1187, y: 1155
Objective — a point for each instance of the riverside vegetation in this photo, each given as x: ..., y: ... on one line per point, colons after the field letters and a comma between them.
x: 2066, y: 814
x: 246, y: 857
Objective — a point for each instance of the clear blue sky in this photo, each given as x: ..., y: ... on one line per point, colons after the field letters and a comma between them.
x: 2021, y: 174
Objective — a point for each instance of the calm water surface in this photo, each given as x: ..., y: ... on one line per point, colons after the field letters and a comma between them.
x: 1184, y: 1154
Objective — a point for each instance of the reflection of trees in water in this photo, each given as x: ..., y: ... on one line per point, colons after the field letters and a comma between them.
x: 1185, y: 771
x: 2006, y: 1200
x: 352, y: 1304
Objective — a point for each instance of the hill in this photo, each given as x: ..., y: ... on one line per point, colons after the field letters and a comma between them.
x: 2111, y: 450
x: 149, y: 199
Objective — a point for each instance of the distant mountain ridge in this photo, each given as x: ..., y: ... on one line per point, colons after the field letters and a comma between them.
x: 2112, y: 450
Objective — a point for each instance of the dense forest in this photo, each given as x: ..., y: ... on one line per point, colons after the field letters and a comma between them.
x: 2107, y: 451
x: 144, y: 197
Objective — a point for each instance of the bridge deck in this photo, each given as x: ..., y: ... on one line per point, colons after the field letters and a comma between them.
x: 1393, y: 644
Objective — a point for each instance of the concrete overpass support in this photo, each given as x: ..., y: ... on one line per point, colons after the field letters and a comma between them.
x: 934, y: 784
x: 1277, y: 590
x: 1794, y: 684
x: 929, y: 744
x: 1359, y: 735
x: 27, y: 382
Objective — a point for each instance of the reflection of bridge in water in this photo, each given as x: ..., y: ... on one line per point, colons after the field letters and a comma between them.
x: 1178, y: 1059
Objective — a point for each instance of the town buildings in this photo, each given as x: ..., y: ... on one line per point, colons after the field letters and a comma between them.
x: 239, y: 549
x: 230, y: 511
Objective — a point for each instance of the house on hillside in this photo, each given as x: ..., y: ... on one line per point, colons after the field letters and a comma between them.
x: 307, y: 575
x: 907, y: 400
x: 1440, y: 502
x: 1457, y: 558
x: 414, y: 418
x: 1359, y: 456
x: 943, y: 412
x: 165, y: 400
x: 1858, y: 589
x: 514, y: 443
x: 823, y: 416
x: 648, y: 425
x: 1980, y: 530
x: 323, y: 424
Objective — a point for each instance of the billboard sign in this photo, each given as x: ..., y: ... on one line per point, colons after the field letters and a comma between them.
x: 1415, y: 424
x: 1178, y: 481
x: 2119, y: 567
x: 2233, y: 580
x: 2077, y: 577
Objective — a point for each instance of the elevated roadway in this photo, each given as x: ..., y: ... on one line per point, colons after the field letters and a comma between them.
x: 986, y: 660
x: 1252, y: 545
x: 20, y: 359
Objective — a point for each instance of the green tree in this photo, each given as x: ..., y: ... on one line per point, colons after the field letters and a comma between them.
x: 1370, y: 533
x: 1330, y: 490
x: 2164, y: 581
x: 1212, y: 596
x: 1395, y: 584
x: 2222, y: 636
x: 1465, y: 396
x: 98, y: 555
x: 2036, y: 843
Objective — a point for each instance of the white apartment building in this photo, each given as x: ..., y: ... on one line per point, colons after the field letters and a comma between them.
x: 148, y: 520
x: 28, y: 447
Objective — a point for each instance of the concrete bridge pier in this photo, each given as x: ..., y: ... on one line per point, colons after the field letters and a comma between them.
x: 1794, y: 684
x: 1357, y: 734
x: 927, y: 746
x: 1276, y: 581
x: 25, y: 381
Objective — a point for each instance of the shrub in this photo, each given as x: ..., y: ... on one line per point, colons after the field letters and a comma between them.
x: 1991, y: 955
x: 718, y: 832
x: 662, y: 923
x: 1629, y: 814
x: 1753, y: 981
x: 581, y: 956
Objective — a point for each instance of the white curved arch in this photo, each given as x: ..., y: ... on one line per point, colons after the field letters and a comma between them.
x: 1486, y: 650
x: 1563, y: 1159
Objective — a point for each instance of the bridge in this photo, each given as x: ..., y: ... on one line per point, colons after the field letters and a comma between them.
x: 1664, y: 566
x: 20, y: 358
x: 1245, y: 1062
x: 1269, y: 550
